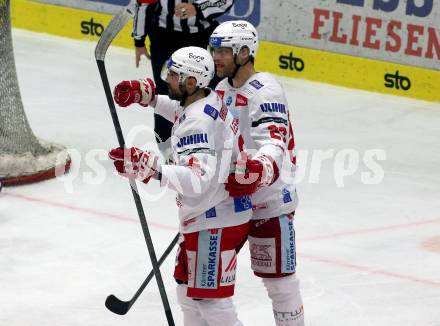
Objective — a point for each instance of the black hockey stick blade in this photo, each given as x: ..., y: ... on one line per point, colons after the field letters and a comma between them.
x: 121, y: 307
x: 117, y: 306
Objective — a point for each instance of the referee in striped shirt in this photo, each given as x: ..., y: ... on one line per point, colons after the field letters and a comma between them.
x: 171, y: 25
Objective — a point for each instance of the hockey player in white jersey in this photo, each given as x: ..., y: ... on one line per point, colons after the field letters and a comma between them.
x: 258, y: 102
x: 205, y: 143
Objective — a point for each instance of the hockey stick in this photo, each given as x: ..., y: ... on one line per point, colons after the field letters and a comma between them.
x: 120, y: 307
x: 107, y: 36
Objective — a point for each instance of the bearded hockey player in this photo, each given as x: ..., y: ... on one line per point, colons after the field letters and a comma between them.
x: 258, y: 103
x: 205, y: 143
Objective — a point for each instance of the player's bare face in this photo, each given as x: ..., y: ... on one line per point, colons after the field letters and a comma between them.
x: 224, y: 62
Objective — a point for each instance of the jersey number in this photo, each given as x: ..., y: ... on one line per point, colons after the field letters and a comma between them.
x: 278, y: 133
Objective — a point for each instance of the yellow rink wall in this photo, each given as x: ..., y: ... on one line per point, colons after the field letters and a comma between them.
x: 285, y: 60
x: 350, y: 71
x: 64, y: 21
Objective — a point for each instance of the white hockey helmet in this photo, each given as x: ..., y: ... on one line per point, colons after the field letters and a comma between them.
x: 235, y: 34
x: 193, y: 62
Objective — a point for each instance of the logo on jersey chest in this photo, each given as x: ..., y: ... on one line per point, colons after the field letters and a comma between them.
x: 223, y: 113
x: 221, y: 93
x: 241, y: 100
x: 192, y: 139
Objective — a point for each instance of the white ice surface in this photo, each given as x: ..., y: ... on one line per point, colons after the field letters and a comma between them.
x: 367, y: 254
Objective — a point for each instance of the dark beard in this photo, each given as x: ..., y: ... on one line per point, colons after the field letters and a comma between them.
x: 174, y: 96
x: 226, y: 73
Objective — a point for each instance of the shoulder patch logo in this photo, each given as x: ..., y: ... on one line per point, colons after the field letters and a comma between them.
x: 256, y: 84
x: 211, y: 111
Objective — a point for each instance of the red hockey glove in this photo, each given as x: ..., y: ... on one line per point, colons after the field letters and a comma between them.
x: 128, y: 92
x: 261, y: 171
x: 132, y: 162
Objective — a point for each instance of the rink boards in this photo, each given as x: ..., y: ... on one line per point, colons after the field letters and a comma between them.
x: 286, y: 60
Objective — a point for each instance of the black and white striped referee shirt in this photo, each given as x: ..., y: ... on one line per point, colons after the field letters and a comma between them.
x: 161, y: 13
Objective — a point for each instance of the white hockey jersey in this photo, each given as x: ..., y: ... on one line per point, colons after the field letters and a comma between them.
x: 204, y: 143
x: 263, y: 115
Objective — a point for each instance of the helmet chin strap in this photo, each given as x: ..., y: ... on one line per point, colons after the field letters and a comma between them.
x: 184, y: 91
x: 237, y: 67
